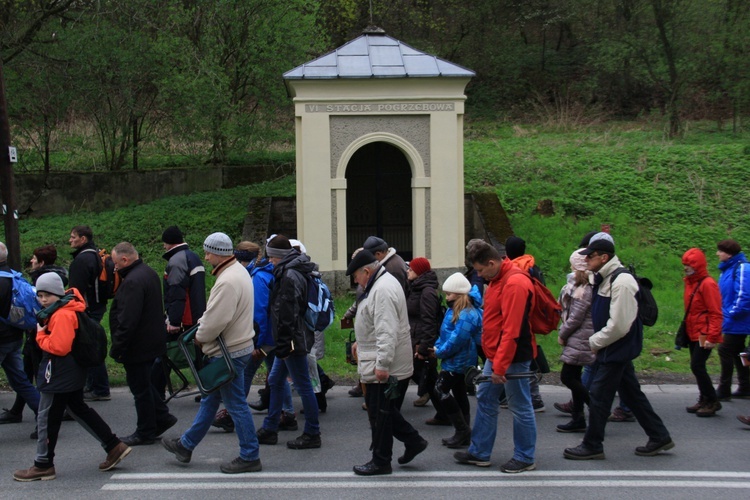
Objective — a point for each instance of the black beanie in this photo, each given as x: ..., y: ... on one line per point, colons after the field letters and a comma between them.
x: 514, y: 247
x: 172, y: 235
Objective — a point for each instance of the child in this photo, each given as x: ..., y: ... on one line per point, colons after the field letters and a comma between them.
x: 60, y: 381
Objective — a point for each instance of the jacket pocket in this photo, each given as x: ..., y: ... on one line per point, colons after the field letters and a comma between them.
x: 366, y: 365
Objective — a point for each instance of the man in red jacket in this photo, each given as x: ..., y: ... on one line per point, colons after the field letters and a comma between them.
x: 509, y: 345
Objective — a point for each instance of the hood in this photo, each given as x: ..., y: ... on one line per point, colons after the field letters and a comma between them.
x: 427, y: 279
x: 696, y: 259
x: 475, y: 297
x: 525, y: 262
x: 297, y: 261
x: 263, y: 265
x: 77, y: 304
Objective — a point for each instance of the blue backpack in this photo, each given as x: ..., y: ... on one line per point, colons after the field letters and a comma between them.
x: 23, y: 304
x: 320, y: 310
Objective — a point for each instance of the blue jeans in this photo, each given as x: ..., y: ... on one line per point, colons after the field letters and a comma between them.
x: 10, y: 360
x: 518, y: 395
x: 233, y: 396
x: 252, y: 367
x: 296, y: 366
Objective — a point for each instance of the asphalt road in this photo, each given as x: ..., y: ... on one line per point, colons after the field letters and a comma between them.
x: 710, y: 459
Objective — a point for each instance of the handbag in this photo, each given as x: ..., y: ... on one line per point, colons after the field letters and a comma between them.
x: 217, y: 372
x: 681, y: 338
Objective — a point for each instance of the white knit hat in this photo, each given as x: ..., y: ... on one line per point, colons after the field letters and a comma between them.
x: 218, y: 244
x: 456, y: 283
x: 50, y: 283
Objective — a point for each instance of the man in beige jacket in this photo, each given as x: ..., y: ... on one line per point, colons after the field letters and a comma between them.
x: 229, y: 313
x: 383, y: 349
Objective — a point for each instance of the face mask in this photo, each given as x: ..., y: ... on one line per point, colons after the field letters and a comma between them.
x: 450, y: 303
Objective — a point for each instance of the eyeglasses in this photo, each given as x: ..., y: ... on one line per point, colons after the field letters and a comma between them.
x: 592, y: 255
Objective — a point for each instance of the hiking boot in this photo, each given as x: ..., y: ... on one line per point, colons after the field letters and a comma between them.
x: 514, y: 466
x: 564, y: 407
x: 581, y: 452
x: 708, y: 409
x: 620, y: 415
x: 696, y: 406
x: 174, y: 445
x: 577, y: 424
x: 9, y: 417
x: 538, y: 405
x: 223, y: 420
x: 745, y: 420
x: 34, y: 474
x: 423, y: 400
x: 89, y: 396
x: 356, y: 392
x: 288, y: 422
x: 240, y: 465
x: 267, y: 437
x: 464, y: 457
x: 653, y: 448
x: 304, y: 442
x: 115, y: 456
x: 412, y: 451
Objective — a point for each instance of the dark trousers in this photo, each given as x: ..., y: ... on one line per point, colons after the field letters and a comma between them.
x: 570, y: 376
x: 51, y: 410
x: 387, y: 422
x: 149, y: 407
x: 610, y: 378
x: 425, y: 375
x: 449, y: 395
x: 729, y: 356
x: 698, y: 358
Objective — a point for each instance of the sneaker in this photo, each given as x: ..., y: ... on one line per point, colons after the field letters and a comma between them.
x: 356, y: 391
x: 174, y: 445
x: 34, y: 474
x: 708, y: 409
x: 423, y: 400
x: 653, y: 448
x: 288, y: 422
x: 564, y: 407
x: 620, y: 415
x: 115, y: 456
x: 304, y: 442
x: 538, y: 405
x: 464, y: 457
x: 9, y: 417
x: 240, y: 465
x: 267, y: 437
x: 412, y: 451
x: 514, y: 466
x: 581, y: 452
x: 223, y: 420
x: 89, y: 396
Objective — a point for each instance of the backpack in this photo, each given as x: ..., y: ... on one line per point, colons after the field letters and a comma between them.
x: 23, y: 302
x: 545, y: 316
x: 90, y: 343
x: 320, y: 309
x: 648, y: 310
x: 108, y: 281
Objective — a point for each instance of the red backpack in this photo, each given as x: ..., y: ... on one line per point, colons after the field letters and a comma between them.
x: 545, y: 316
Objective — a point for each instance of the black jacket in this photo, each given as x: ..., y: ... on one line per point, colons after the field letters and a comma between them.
x: 60, y: 271
x: 7, y: 333
x: 184, y: 286
x: 83, y: 275
x: 422, y: 304
x: 136, y: 318
x: 288, y: 305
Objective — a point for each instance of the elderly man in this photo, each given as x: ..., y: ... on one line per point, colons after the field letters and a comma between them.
x: 136, y: 325
x: 388, y: 258
x: 383, y: 350
x: 229, y: 313
x: 617, y: 341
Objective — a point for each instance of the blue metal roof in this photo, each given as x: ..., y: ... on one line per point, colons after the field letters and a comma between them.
x: 376, y: 55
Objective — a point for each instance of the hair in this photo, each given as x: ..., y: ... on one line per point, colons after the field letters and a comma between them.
x: 3, y: 252
x: 462, y: 302
x: 483, y: 252
x: 46, y: 254
x: 125, y: 248
x: 581, y: 278
x: 249, y: 246
x: 371, y: 266
x: 729, y: 246
x: 82, y: 231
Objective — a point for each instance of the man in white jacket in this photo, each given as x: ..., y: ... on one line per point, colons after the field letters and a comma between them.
x: 229, y: 313
x: 383, y: 351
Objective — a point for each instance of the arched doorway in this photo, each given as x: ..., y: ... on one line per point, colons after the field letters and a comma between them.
x: 378, y: 198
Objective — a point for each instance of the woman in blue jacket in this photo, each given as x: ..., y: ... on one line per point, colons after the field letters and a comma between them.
x: 460, y: 333
x: 734, y: 285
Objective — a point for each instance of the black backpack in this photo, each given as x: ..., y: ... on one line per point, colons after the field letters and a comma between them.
x: 90, y: 344
x: 648, y: 310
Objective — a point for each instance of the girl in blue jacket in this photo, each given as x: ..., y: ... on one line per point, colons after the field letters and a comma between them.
x: 460, y: 333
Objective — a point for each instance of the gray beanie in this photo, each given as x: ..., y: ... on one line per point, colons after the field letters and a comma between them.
x: 218, y: 244
x: 50, y: 283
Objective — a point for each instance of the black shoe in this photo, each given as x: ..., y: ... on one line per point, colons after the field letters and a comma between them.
x: 723, y: 396
x: 288, y: 422
x: 356, y: 392
x: 464, y: 457
x: 240, y: 465
x: 653, y: 448
x: 35, y: 434
x: 8, y: 417
x: 90, y: 396
x: 135, y: 440
x: 267, y: 437
x: 372, y: 469
x: 327, y: 384
x: 581, y: 452
x: 174, y: 445
x: 304, y: 442
x: 259, y: 405
x: 412, y: 451
x: 197, y: 398
x: 514, y: 466
x: 162, y: 427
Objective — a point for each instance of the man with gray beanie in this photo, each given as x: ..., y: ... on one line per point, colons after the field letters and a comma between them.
x: 229, y: 313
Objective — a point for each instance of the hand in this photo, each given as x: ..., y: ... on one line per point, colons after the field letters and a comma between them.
x: 258, y: 355
x: 560, y: 341
x: 498, y: 379
x: 381, y: 375
x: 173, y: 329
